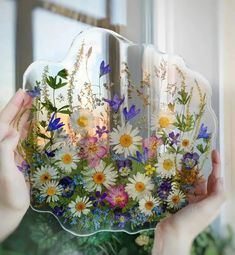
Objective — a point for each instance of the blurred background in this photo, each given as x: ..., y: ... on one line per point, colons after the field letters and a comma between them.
x: 202, y: 32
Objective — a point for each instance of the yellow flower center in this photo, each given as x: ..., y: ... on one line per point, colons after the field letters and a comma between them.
x: 118, y: 199
x: 99, y: 178
x: 80, y: 206
x: 67, y: 159
x: 82, y: 121
x: 92, y: 148
x: 149, y: 205
x: 164, y: 122
x: 51, y: 191
x: 126, y: 140
x: 139, y: 186
x: 153, y: 145
x: 175, y: 199
x: 45, y: 177
x: 185, y: 142
x: 168, y: 164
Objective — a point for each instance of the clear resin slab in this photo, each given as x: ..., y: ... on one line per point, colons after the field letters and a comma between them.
x: 119, y: 135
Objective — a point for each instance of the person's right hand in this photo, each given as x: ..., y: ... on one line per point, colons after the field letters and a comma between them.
x: 14, y: 192
x: 175, y: 234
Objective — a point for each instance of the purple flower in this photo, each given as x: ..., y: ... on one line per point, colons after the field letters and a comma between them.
x: 98, y: 199
x: 34, y: 92
x: 203, y: 132
x: 190, y: 160
x: 50, y: 154
x: 68, y: 186
x: 124, y: 163
x: 101, y: 130
x: 131, y: 113
x: 164, y: 189
x: 24, y: 167
x: 121, y: 218
x: 104, y: 69
x: 141, y: 158
x: 115, y: 103
x: 58, y: 210
x: 54, y: 123
x: 174, y: 138
x: 124, y: 167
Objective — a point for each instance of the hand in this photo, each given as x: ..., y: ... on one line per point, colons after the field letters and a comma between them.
x: 14, y: 192
x: 175, y: 234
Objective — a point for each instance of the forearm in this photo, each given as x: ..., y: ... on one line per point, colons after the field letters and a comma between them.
x: 9, y: 221
x: 170, y: 242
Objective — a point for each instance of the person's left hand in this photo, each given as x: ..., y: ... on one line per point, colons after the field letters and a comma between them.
x: 14, y: 192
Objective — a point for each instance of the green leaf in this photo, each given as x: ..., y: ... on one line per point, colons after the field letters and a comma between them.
x: 43, y: 136
x: 65, y: 112
x: 63, y: 73
x: 43, y: 123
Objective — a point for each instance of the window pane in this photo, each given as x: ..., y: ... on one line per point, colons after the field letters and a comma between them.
x: 53, y: 34
x: 7, y: 49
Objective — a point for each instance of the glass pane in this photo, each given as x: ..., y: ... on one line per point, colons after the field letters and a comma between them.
x: 95, y: 8
x: 7, y: 49
x: 53, y: 34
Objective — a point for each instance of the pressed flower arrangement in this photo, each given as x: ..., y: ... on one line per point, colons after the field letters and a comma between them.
x: 107, y: 151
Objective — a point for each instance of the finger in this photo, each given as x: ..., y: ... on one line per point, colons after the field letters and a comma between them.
x: 4, y: 128
x: 215, y: 164
x: 10, y: 111
x: 215, y: 173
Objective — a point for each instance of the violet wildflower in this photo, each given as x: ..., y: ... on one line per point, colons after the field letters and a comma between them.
x: 101, y: 130
x: 174, y: 138
x: 58, y: 211
x: 115, y: 103
x: 164, y: 189
x: 54, y: 123
x: 131, y: 113
x: 203, y: 132
x: 141, y: 158
x: 190, y: 160
x: 68, y: 186
x: 104, y: 69
x: 124, y: 167
x: 34, y: 92
x: 98, y: 199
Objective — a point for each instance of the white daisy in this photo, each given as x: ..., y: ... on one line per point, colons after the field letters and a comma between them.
x: 163, y: 120
x: 80, y: 206
x: 147, y: 204
x: 166, y: 165
x: 44, y: 174
x: 176, y: 199
x: 51, y: 190
x: 82, y: 120
x: 125, y: 140
x: 186, y: 142
x: 139, y: 186
x: 66, y: 158
x: 99, y: 176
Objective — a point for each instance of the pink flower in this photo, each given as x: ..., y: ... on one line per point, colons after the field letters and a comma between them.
x: 117, y: 196
x: 92, y: 150
x: 152, y: 144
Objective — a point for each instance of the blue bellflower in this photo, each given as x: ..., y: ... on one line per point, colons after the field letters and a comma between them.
x: 115, y: 103
x: 131, y: 113
x: 34, y: 92
x: 104, y: 69
x: 54, y: 123
x: 141, y: 158
x: 203, y: 132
